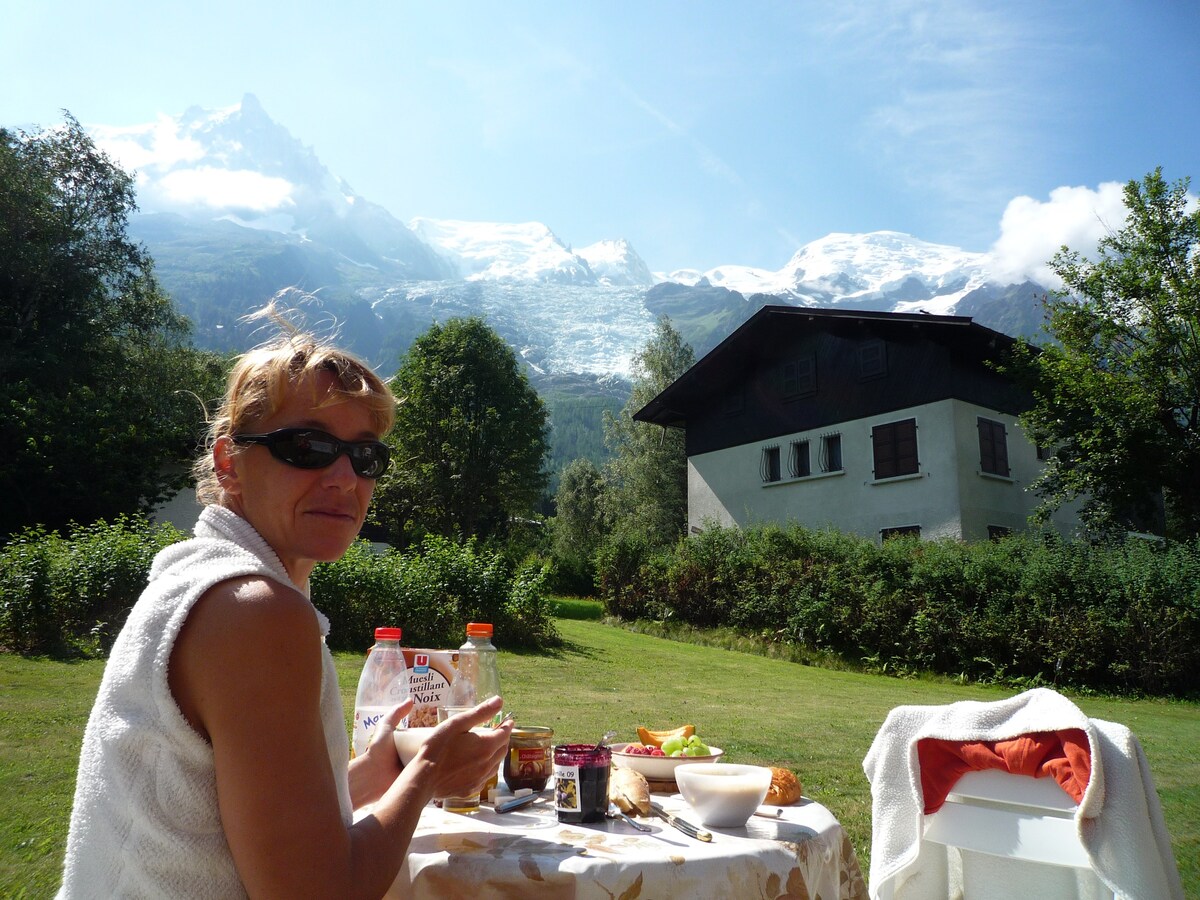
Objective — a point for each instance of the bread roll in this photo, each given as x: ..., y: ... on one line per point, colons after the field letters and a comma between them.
x: 630, y: 791
x: 785, y: 787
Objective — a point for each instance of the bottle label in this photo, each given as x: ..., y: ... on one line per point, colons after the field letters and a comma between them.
x: 398, y: 690
x: 566, y: 788
x: 429, y: 683
x: 366, y: 719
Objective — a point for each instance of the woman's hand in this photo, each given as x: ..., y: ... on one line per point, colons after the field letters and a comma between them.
x: 462, y: 753
x: 373, y: 773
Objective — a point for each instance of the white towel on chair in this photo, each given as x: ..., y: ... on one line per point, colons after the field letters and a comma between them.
x: 1119, y: 820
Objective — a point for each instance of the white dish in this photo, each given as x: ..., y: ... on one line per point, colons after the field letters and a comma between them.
x: 408, y: 741
x: 723, y: 796
x: 659, y: 768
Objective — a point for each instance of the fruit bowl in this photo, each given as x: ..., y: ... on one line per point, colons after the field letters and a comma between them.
x: 659, y: 768
x: 723, y: 796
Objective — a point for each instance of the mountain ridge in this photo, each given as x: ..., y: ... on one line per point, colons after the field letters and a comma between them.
x: 237, y: 209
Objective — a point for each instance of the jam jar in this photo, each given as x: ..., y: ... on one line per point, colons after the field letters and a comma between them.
x: 529, y: 762
x: 581, y: 782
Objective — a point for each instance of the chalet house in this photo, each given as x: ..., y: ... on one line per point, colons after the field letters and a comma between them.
x: 871, y: 423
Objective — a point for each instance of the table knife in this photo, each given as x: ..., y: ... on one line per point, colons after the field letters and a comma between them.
x: 511, y: 803
x: 675, y: 822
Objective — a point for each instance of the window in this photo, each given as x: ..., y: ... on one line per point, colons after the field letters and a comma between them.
x: 769, y: 465
x: 798, y: 463
x: 831, y: 452
x: 895, y: 448
x: 799, y: 377
x: 993, y: 447
x: 900, y: 531
x: 872, y: 360
x: 996, y: 532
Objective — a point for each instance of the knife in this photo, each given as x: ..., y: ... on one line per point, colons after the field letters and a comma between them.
x: 686, y: 827
x: 511, y: 803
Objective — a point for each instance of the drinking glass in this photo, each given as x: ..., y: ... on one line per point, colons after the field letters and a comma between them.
x: 467, y: 804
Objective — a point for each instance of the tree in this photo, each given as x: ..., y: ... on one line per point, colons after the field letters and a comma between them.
x: 94, y: 364
x: 647, y: 477
x: 1117, y: 394
x: 470, y: 438
x: 579, y: 523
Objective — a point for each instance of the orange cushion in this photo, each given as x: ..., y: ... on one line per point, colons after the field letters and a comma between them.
x: 1063, y: 755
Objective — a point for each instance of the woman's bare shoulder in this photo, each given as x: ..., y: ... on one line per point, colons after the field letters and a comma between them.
x: 252, y: 604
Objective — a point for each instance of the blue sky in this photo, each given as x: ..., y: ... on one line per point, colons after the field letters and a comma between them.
x: 706, y: 133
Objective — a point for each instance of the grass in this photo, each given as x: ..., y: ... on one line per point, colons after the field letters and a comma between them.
x: 816, y: 721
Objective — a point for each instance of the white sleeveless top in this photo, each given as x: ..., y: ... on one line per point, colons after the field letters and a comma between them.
x: 145, y: 821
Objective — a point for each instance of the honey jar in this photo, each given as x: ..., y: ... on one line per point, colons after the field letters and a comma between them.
x: 529, y: 763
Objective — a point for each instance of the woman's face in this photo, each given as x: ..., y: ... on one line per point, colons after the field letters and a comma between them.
x: 306, y: 515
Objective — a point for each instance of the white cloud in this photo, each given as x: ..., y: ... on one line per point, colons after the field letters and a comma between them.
x: 155, y: 146
x: 1032, y: 231
x: 222, y: 189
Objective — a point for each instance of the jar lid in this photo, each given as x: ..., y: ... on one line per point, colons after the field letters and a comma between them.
x: 532, y: 731
x: 388, y: 634
x: 479, y: 629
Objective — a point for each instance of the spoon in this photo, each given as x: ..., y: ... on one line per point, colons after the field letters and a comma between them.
x: 608, y: 736
x: 614, y: 812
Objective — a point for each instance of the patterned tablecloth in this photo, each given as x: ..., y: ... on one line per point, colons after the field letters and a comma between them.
x: 528, y: 854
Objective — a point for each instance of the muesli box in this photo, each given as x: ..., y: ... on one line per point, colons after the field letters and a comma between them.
x: 429, y: 675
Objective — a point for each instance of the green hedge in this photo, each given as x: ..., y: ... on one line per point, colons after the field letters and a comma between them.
x: 432, y: 593
x: 69, y: 595
x: 1029, y: 609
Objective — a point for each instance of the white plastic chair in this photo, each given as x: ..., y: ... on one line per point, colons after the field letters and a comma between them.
x: 1012, y: 818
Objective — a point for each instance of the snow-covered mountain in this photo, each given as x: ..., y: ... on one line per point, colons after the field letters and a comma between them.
x: 883, y: 267
x: 236, y: 209
x: 529, y: 252
x: 617, y: 264
x: 240, y: 166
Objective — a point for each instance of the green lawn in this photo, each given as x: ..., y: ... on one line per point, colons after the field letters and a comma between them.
x: 816, y: 721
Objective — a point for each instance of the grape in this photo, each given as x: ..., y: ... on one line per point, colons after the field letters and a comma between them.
x: 672, y: 746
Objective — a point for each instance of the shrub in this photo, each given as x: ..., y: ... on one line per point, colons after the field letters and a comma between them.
x: 431, y: 593
x: 1029, y: 609
x: 30, y: 613
x: 631, y: 574
x: 71, y: 595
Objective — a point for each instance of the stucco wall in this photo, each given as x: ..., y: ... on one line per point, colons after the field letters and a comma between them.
x: 182, y: 510
x: 947, y: 497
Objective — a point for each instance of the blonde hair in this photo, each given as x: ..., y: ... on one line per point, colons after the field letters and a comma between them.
x: 262, y: 380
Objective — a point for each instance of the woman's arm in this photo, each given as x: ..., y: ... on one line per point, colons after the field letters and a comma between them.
x: 246, y: 671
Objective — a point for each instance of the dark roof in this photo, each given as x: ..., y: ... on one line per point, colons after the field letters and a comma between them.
x: 775, y: 327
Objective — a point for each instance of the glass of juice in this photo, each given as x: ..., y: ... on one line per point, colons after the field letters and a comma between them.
x: 467, y: 804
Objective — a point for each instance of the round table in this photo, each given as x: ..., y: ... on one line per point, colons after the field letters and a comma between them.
x: 529, y: 854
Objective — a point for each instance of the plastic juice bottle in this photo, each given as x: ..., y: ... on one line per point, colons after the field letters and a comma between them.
x: 381, y: 687
x: 477, y: 679
x: 482, y: 651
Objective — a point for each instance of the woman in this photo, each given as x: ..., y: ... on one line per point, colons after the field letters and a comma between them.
x: 214, y: 761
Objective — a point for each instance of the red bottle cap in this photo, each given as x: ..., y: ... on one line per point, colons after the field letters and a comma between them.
x: 388, y: 634
x: 479, y: 629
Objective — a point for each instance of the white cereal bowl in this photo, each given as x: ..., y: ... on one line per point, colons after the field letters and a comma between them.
x: 408, y: 741
x: 658, y: 768
x: 725, y: 795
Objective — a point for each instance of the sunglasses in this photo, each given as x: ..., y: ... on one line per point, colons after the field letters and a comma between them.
x: 306, y: 448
